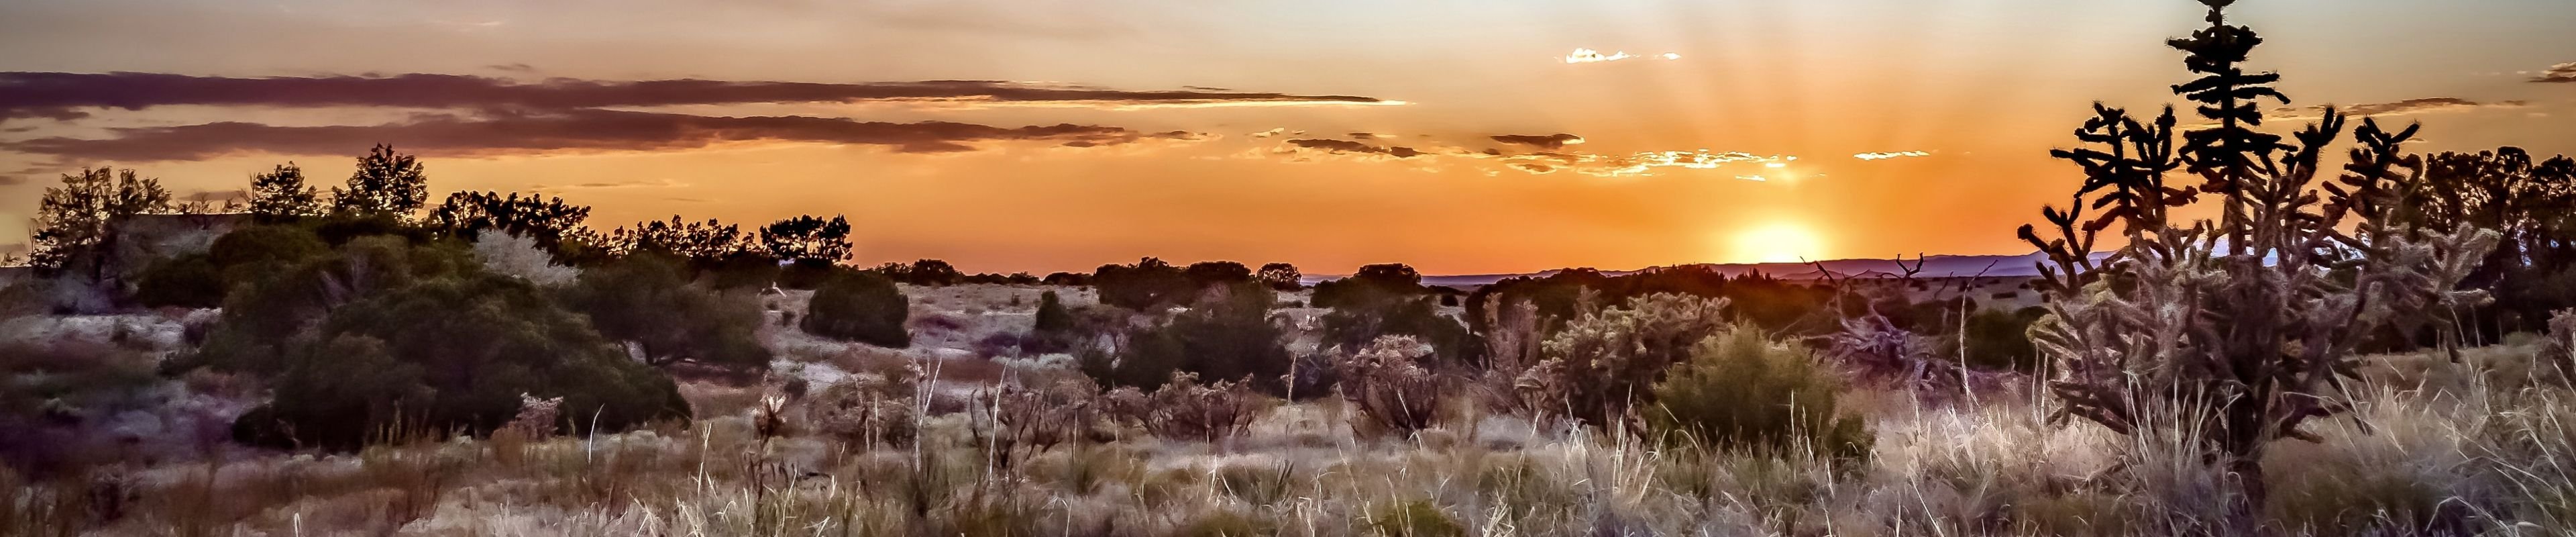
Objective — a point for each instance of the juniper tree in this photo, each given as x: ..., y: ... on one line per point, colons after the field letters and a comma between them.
x: 281, y: 194
x: 76, y: 221
x: 387, y: 183
x: 2245, y: 328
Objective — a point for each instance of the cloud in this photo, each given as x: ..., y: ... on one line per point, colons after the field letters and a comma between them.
x: 575, y: 130
x: 1585, y: 55
x: 1346, y: 146
x: 1891, y: 154
x: 2560, y: 74
x: 2409, y: 106
x: 513, y: 67
x: 1549, y: 142
x: 65, y: 96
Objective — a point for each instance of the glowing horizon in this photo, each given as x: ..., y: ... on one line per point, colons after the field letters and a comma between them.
x: 1054, y: 135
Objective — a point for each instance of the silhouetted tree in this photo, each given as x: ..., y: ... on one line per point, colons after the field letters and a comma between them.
x: 387, y: 184
x: 1281, y: 276
x: 703, y: 242
x: 281, y: 195
x: 548, y: 221
x: 862, y: 307
x: 808, y: 238
x: 1146, y: 286
x: 76, y: 222
x: 932, y: 272
x: 1206, y: 273
x: 647, y: 300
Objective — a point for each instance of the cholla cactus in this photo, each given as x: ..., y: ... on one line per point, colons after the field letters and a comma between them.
x: 2243, y: 327
x: 867, y: 409
x: 1388, y: 386
x: 1185, y: 409
x: 537, y: 417
x: 1604, y: 363
x: 1070, y: 410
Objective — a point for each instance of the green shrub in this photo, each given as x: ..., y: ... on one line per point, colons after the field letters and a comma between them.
x: 188, y: 281
x: 1743, y: 391
x: 452, y: 354
x: 1413, y: 518
x: 2001, y: 340
x: 861, y: 307
x: 1604, y: 364
x: 646, y: 299
x: 1230, y: 338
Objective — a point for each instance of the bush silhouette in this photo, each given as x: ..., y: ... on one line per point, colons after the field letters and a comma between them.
x: 1740, y: 390
x: 862, y: 307
x: 645, y: 299
x: 451, y: 354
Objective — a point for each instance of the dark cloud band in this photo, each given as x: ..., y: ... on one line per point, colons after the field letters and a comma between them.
x: 67, y: 95
x: 575, y: 130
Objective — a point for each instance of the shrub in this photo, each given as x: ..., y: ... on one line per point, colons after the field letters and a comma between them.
x: 1413, y: 518
x: 644, y: 299
x: 1146, y: 286
x: 1391, y: 392
x: 2001, y: 340
x: 1741, y: 390
x: 1605, y: 363
x: 868, y: 409
x: 861, y: 307
x: 451, y: 354
x: 1231, y: 338
x: 1186, y: 410
x: 520, y: 257
x: 188, y: 281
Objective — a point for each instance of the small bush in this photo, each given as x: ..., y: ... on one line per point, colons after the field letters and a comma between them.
x: 2001, y: 340
x: 1741, y: 390
x: 1603, y: 364
x: 867, y: 410
x: 645, y: 299
x: 861, y: 307
x: 1391, y: 392
x: 188, y: 281
x: 1183, y: 409
x: 1414, y: 518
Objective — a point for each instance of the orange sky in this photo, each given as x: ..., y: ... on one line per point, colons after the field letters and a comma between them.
x: 1980, y: 89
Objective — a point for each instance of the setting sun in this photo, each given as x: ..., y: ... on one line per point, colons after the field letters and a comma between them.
x: 1777, y: 243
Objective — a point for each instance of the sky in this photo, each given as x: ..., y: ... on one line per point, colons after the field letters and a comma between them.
x: 1458, y: 136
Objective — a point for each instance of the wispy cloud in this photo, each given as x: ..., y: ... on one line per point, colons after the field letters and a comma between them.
x: 2561, y: 74
x: 1549, y: 142
x: 1892, y: 154
x: 69, y: 95
x: 576, y: 130
x: 1585, y: 55
x: 1346, y: 146
x: 2410, y: 106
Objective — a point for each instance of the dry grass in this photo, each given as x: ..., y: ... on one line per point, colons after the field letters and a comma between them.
x: 2448, y: 449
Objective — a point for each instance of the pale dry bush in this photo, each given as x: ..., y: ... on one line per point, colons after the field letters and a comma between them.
x: 1388, y: 386
x: 519, y: 257
x: 868, y: 409
x: 1604, y: 364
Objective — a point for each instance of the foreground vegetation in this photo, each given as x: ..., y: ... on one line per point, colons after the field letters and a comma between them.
x: 2297, y: 364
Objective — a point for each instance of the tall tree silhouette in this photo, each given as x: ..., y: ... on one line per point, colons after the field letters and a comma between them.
x: 75, y: 222
x: 548, y: 221
x: 281, y: 194
x: 387, y: 183
x: 808, y: 238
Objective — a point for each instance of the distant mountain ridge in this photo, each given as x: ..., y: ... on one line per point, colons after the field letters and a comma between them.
x: 1937, y: 266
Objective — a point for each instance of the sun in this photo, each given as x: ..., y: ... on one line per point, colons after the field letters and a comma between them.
x: 1779, y: 242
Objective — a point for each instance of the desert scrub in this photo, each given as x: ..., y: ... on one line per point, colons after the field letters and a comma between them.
x: 859, y: 306
x: 1604, y: 364
x: 1743, y: 391
x: 1391, y: 391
